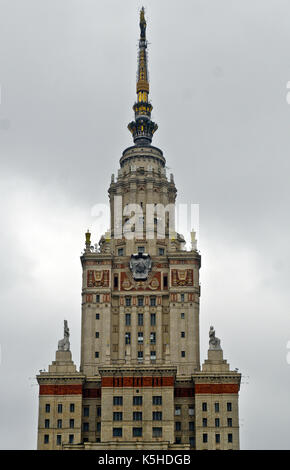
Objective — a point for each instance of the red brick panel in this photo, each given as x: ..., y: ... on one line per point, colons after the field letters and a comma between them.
x: 137, y: 381
x: 183, y: 392
x: 60, y: 389
x: 92, y: 393
x: 216, y: 388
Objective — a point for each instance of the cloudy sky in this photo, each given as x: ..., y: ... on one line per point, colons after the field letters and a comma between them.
x: 218, y: 73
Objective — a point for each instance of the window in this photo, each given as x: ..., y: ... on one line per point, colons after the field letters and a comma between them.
x: 191, y: 442
x: 128, y: 319
x: 229, y: 407
x: 140, y: 337
x: 204, y: 438
x: 140, y: 301
x: 71, y: 439
x: 72, y: 407
x: 86, y: 411
x: 152, y: 301
x: 157, y: 400
x: 156, y: 432
x: 204, y: 422
x: 230, y: 422
x: 97, y: 334
x: 217, y: 438
x: 86, y: 427
x: 46, y: 439
x: 157, y: 416
x: 128, y: 301
x: 85, y: 439
x: 182, y: 315
x: 97, y: 316
x: 230, y: 438
x: 97, y: 354
x: 141, y: 249
x: 182, y: 353
x: 99, y: 410
x: 117, y: 432
x: 152, y: 338
x: 98, y: 439
x: 191, y: 426
x: 177, y: 410
x: 118, y: 401
x: 137, y: 432
x: 153, y: 319
x: 127, y: 338
x: 182, y: 297
x: 161, y: 251
x: 217, y: 422
x: 140, y: 319
x: 204, y: 406
x: 71, y: 423
x: 98, y: 427
x: 178, y: 440
x: 165, y: 281
x: 59, y: 408
x: 217, y: 407
x: 58, y: 439
x: 120, y: 251
x: 117, y: 416
x: 191, y: 410
x: 46, y: 424
x: 47, y: 408
x: 153, y: 355
x: 59, y: 423
x: 116, y: 282
x: 177, y: 426
x: 98, y: 298
x: 137, y: 416
x: 182, y: 334
x: 137, y: 401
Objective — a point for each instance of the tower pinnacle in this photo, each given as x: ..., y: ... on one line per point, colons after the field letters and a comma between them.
x: 142, y: 128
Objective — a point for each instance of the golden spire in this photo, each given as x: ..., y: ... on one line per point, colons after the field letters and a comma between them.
x: 142, y: 128
x: 142, y: 81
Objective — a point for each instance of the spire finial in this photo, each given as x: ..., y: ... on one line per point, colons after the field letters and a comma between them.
x: 88, y: 240
x: 142, y: 24
x: 142, y: 128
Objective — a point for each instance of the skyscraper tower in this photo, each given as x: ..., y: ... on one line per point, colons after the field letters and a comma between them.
x: 140, y: 384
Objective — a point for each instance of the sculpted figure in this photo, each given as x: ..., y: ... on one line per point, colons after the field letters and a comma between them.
x: 214, y: 342
x: 63, y: 344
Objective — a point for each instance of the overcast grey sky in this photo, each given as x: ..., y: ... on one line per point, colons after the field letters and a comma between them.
x: 218, y: 75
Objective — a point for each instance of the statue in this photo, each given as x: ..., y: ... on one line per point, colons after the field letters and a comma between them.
x: 63, y: 344
x: 214, y: 342
x: 140, y: 265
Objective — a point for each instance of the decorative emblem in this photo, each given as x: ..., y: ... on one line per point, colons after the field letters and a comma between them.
x: 182, y: 277
x: 140, y: 265
x: 98, y: 278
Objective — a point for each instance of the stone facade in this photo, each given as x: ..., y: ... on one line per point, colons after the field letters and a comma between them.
x: 140, y: 384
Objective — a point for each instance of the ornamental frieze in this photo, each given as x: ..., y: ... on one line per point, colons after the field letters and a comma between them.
x: 181, y: 277
x: 152, y: 283
x: 98, y: 278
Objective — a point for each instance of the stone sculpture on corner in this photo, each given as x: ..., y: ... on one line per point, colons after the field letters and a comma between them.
x: 214, y: 342
x: 64, y: 344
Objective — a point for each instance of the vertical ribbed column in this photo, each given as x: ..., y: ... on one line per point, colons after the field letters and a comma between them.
x: 134, y: 335
x: 159, y: 340
x: 146, y: 338
x: 121, y: 334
